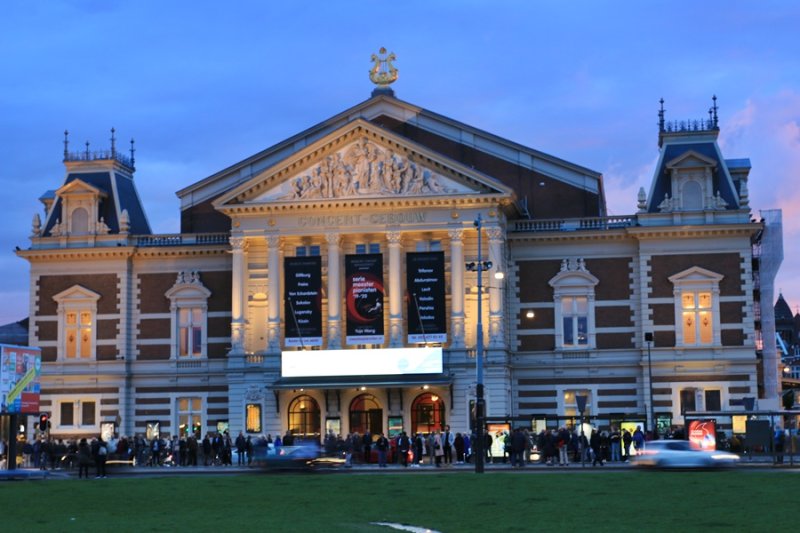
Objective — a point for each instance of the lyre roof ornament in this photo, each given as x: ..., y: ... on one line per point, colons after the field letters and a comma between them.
x: 383, y: 73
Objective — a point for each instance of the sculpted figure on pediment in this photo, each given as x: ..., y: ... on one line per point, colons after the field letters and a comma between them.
x: 364, y: 169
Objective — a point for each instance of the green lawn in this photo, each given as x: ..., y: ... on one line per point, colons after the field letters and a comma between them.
x: 447, y: 502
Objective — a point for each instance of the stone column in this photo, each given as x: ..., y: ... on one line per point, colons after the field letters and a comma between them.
x: 497, y: 257
x: 395, y: 290
x: 274, y: 253
x: 238, y: 284
x: 334, y: 291
x: 456, y: 288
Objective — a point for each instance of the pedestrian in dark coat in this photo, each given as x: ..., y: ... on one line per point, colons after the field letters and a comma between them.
x: 84, y: 459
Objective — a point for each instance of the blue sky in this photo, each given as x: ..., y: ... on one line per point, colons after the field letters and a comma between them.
x: 201, y: 85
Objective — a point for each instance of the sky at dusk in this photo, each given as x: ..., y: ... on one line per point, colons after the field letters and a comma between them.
x: 202, y: 85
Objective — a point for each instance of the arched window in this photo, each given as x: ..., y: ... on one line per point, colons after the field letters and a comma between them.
x: 427, y: 413
x: 304, y: 417
x: 80, y: 221
x: 366, y: 414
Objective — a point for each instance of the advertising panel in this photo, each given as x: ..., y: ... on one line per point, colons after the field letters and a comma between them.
x: 364, y: 298
x: 303, y: 286
x: 703, y: 434
x: 373, y: 362
x: 426, y: 297
x: 20, y: 368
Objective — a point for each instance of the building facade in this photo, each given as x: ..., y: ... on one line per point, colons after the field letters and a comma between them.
x: 323, y: 285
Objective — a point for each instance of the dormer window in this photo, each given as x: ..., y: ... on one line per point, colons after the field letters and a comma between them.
x: 692, y: 184
x: 80, y: 210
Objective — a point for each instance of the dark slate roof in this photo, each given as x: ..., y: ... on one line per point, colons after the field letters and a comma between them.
x: 782, y: 311
x: 129, y: 199
x: 15, y: 333
x: 48, y: 195
x: 707, y: 149
x: 738, y: 163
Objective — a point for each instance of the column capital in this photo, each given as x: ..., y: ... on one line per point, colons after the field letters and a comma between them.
x: 495, y: 233
x: 394, y: 237
x: 238, y: 243
x: 333, y: 239
x: 273, y: 241
x: 456, y: 235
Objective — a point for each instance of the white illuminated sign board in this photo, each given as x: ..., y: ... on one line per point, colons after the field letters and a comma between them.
x: 378, y: 362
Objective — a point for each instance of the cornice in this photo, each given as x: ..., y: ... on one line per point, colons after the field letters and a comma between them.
x: 67, y: 254
x: 639, y: 233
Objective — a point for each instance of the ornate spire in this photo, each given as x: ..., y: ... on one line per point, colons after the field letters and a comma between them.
x: 113, y: 143
x: 66, y: 145
x: 133, y: 151
x: 714, y: 108
x: 383, y: 73
x: 661, y: 116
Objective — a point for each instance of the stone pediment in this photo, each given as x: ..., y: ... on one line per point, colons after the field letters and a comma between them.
x: 691, y: 159
x: 79, y: 187
x: 361, y: 161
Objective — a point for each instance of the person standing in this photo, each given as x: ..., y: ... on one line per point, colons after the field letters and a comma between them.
x: 241, y: 448
x: 448, y: 439
x: 419, y: 447
x: 366, y: 442
x: 626, y: 444
x: 403, y: 445
x: 518, y: 448
x: 84, y: 459
x: 594, y: 443
x: 615, y: 444
x: 638, y: 440
x: 382, y: 445
x: 458, y: 444
x: 101, y: 454
x: 349, y: 446
x: 438, y: 449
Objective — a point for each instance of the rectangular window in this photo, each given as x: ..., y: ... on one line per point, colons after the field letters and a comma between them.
x: 190, y: 331
x: 697, y: 318
x: 253, y: 418
x: 189, y: 416
x: 67, y: 414
x: 429, y: 246
x: 688, y: 402
x: 713, y: 400
x: 368, y: 248
x: 575, y: 320
x: 87, y: 413
x: 307, y: 251
x: 571, y: 407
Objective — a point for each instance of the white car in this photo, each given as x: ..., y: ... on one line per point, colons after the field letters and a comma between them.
x: 681, y: 454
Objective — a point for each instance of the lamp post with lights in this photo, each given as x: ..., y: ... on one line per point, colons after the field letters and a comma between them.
x: 480, y: 405
x: 648, y: 338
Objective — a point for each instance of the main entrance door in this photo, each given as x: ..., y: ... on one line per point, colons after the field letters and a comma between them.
x: 366, y: 414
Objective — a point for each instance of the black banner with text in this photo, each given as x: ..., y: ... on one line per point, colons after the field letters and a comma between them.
x: 303, y: 309
x: 427, y: 320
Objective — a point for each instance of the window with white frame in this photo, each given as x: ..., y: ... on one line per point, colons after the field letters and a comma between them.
x: 77, y: 332
x: 434, y: 245
x: 696, y: 293
x: 189, y: 316
x: 190, y: 416
x: 571, y: 407
x: 77, y: 414
x: 368, y: 248
x: 312, y: 250
x: 573, y: 294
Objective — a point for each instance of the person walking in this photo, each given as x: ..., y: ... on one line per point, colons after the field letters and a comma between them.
x: 638, y: 440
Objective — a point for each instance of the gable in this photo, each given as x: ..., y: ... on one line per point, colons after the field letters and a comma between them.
x: 360, y: 161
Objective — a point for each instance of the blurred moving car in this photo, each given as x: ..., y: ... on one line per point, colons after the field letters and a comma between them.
x: 300, y: 455
x: 682, y: 454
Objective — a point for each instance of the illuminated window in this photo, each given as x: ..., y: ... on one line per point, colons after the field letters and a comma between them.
x: 366, y: 414
x: 696, y: 294
x: 427, y: 413
x: 573, y: 293
x: 190, y: 419
x: 570, y: 402
x: 253, y: 418
x: 189, y: 316
x: 77, y: 311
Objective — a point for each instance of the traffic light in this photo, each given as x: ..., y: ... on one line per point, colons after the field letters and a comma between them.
x: 43, y: 422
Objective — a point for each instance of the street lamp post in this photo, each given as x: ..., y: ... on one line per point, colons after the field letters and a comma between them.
x: 648, y: 338
x: 480, y: 405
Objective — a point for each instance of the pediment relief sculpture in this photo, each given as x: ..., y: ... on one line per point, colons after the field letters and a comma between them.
x: 365, y: 169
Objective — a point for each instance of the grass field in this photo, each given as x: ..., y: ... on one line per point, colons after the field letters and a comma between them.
x: 446, y: 502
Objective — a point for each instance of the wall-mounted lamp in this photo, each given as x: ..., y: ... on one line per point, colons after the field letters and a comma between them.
x: 530, y: 314
x: 499, y: 275
x: 426, y: 387
x: 434, y: 398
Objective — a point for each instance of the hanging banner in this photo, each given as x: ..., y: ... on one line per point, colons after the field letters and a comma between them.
x: 427, y: 320
x: 20, y: 368
x: 364, y: 298
x: 303, y: 301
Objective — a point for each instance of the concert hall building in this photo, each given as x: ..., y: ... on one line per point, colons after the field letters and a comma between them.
x: 331, y: 283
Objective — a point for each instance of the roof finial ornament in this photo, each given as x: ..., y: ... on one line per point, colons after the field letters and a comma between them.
x: 714, y: 109
x: 87, y: 150
x: 133, y: 151
x: 66, y: 145
x: 661, y: 115
x: 383, y: 73
x: 113, y: 143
